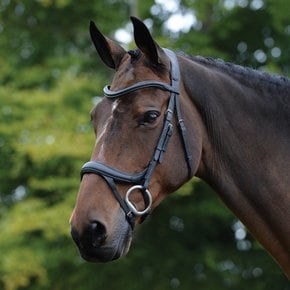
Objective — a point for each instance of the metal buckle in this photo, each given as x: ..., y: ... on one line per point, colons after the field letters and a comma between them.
x: 131, y: 205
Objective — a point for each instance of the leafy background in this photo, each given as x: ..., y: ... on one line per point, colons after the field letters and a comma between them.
x: 50, y: 78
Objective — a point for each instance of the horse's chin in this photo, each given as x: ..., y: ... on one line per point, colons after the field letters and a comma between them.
x: 110, y: 251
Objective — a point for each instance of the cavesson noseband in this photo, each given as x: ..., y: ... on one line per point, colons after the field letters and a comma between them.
x: 141, y: 180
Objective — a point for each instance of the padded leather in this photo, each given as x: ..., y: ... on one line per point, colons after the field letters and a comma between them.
x: 102, y: 169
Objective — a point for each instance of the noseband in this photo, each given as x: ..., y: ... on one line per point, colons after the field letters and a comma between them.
x: 141, y: 180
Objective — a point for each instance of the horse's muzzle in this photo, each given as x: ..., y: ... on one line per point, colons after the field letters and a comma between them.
x: 94, y: 245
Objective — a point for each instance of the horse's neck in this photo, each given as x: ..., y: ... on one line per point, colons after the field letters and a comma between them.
x: 248, y: 136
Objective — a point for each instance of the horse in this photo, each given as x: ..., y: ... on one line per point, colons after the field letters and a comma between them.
x: 168, y: 117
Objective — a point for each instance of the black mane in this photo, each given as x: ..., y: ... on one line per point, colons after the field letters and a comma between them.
x: 248, y: 76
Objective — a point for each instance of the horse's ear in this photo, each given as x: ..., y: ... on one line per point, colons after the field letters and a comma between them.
x: 145, y: 42
x: 110, y: 52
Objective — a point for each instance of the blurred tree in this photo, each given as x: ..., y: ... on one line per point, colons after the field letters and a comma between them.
x: 50, y: 76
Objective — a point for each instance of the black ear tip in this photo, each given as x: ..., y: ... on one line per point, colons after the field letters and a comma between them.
x: 133, y: 18
x: 136, y: 20
x: 94, y: 31
x: 92, y: 24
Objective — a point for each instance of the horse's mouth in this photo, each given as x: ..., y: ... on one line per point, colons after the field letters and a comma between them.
x: 107, y: 253
x: 99, y: 255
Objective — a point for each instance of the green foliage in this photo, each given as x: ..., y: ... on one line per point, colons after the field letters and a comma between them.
x: 50, y: 75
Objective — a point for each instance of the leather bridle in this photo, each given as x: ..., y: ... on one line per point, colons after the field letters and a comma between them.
x: 141, y: 180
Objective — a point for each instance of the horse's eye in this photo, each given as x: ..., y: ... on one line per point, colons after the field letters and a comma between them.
x: 149, y: 118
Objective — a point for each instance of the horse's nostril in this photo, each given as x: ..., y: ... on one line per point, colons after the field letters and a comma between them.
x: 98, y: 233
x: 93, y: 236
x: 75, y: 236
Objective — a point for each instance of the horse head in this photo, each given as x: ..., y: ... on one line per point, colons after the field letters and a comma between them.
x: 142, y: 151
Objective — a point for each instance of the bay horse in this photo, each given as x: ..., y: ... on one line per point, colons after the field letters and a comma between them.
x: 167, y: 117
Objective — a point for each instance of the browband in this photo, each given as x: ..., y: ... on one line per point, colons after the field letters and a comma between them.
x: 172, y: 88
x: 141, y: 85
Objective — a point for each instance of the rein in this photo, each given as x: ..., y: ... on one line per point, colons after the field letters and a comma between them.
x: 141, y: 180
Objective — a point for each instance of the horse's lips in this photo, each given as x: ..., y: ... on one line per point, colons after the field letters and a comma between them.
x: 104, y: 255
x: 107, y: 253
x: 99, y: 255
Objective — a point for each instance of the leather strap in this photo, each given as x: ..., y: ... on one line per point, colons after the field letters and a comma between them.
x: 128, y: 213
x: 105, y: 170
x: 140, y: 85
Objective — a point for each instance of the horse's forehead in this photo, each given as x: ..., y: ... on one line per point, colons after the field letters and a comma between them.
x: 131, y: 72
